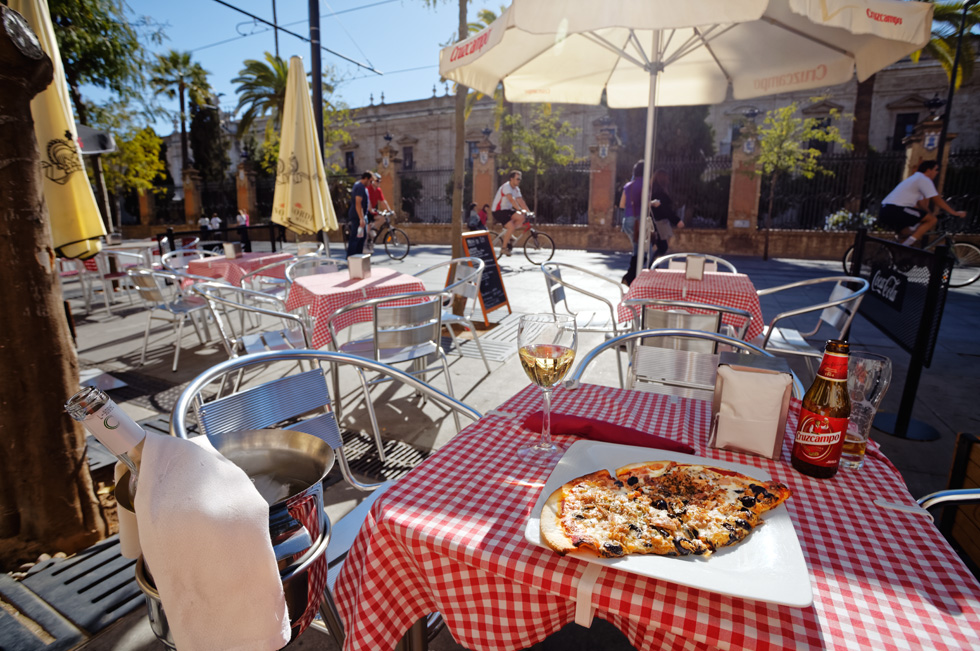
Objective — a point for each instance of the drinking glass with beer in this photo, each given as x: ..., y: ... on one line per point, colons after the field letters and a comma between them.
x: 868, y: 377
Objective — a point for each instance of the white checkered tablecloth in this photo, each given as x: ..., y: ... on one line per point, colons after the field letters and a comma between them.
x: 449, y: 537
x: 232, y: 269
x: 729, y: 290
x: 324, y: 294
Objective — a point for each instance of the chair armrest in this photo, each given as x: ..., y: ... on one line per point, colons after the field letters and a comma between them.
x: 565, y: 283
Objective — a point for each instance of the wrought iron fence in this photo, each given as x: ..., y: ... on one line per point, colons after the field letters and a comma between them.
x: 169, y: 212
x: 962, y: 188
x: 427, y: 196
x: 700, y: 188
x: 562, y: 194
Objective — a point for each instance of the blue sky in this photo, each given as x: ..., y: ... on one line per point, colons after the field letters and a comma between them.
x: 397, y: 37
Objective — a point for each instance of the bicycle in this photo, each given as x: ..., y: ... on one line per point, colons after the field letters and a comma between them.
x: 395, y: 240
x: 966, y: 256
x: 539, y: 247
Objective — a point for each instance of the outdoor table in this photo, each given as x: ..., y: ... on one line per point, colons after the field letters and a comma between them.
x: 715, y: 288
x: 146, y: 248
x: 449, y: 537
x: 233, y: 269
x: 324, y: 294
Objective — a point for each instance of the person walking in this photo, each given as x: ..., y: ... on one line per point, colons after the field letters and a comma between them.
x: 216, y: 225
x: 242, y: 217
x: 629, y: 203
x: 906, y: 209
x: 472, y: 220
x: 508, y: 205
x: 484, y: 214
x: 357, y: 215
x: 204, y: 223
x: 665, y: 218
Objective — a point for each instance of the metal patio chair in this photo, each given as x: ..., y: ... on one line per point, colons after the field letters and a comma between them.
x: 679, y: 261
x: 463, y: 277
x: 595, y: 318
x: 161, y: 293
x: 179, y: 259
x: 278, y: 403
x: 654, y: 313
x: 838, y: 311
x: 672, y: 371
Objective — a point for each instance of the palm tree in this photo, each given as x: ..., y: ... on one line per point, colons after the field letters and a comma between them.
x: 261, y: 91
x: 174, y: 75
x: 946, y: 20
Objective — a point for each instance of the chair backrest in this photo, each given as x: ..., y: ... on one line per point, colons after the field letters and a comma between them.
x: 557, y: 284
x: 684, y: 373
x: 837, y: 316
x: 462, y: 276
x: 679, y: 261
x: 302, y: 393
x: 152, y: 286
x: 309, y: 265
x: 653, y: 313
x: 179, y: 259
x: 223, y: 298
x: 400, y: 321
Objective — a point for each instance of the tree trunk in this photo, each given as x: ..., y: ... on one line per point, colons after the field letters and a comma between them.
x: 46, y: 495
x: 184, y: 153
x: 772, y: 196
x: 859, y: 139
x: 459, y: 165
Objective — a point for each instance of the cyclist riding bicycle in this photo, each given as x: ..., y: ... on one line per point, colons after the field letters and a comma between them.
x: 509, y: 209
x: 906, y: 209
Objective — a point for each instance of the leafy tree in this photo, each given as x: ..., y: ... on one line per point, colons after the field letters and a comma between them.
x: 102, y: 47
x: 784, y: 149
x: 261, y: 92
x: 534, y: 147
x: 209, y: 143
x: 946, y: 19
x: 175, y: 75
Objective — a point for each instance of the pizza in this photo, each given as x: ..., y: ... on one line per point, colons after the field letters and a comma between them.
x: 657, y: 507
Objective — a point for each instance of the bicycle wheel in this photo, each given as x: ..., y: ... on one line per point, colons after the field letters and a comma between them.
x: 847, y: 259
x: 539, y: 248
x: 396, y: 244
x: 966, y: 268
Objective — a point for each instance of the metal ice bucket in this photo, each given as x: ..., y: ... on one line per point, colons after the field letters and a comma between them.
x: 287, y: 468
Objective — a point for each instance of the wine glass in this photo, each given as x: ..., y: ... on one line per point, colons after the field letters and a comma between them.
x: 868, y: 377
x: 546, y: 345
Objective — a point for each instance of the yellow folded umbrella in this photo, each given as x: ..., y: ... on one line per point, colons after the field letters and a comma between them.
x: 76, y: 224
x: 302, y: 199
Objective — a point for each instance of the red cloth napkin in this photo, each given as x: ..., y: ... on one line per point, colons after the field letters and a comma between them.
x: 598, y: 430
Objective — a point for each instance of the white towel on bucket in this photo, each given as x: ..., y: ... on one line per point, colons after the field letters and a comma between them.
x: 204, y: 530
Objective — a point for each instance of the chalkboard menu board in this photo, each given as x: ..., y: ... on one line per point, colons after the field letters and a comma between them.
x: 492, y: 293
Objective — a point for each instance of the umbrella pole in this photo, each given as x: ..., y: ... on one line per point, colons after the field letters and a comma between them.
x: 648, y: 149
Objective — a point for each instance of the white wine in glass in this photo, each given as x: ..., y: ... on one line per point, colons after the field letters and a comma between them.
x: 546, y: 345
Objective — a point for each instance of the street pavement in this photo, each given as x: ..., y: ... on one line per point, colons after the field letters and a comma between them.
x: 945, y: 398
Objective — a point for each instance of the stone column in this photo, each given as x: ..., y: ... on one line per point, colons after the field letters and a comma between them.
x: 389, y: 163
x: 484, y: 173
x: 922, y: 145
x: 192, y: 196
x: 602, y: 188
x: 745, y: 186
x: 147, y: 207
x: 245, y: 187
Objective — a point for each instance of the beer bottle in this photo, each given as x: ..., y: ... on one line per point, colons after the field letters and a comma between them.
x: 823, y: 416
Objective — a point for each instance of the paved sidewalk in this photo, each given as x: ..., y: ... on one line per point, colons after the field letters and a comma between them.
x: 945, y: 398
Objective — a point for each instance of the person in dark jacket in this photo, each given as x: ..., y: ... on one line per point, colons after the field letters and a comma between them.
x: 665, y: 218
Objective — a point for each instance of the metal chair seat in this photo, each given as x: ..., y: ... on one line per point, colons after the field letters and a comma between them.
x: 789, y: 341
x: 161, y: 292
x: 390, y: 355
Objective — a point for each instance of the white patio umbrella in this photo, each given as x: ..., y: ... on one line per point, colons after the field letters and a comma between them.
x: 681, y: 52
x: 302, y: 199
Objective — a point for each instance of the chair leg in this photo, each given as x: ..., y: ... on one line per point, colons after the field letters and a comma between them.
x: 331, y: 617
x: 146, y: 336
x: 479, y: 346
x: 372, y: 416
x: 449, y: 385
x: 180, y: 331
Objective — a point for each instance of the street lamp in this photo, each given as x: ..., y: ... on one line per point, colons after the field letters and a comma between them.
x: 952, y: 83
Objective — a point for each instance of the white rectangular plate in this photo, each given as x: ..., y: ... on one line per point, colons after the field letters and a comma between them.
x: 767, y: 566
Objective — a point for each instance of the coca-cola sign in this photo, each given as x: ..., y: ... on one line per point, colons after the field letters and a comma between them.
x: 889, y: 286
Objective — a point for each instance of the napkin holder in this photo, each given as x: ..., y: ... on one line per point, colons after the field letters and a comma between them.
x: 232, y: 250
x: 750, y: 404
x: 359, y: 266
x: 694, y: 267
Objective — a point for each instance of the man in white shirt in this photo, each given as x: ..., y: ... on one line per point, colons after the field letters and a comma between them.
x: 906, y: 208
x: 506, y: 206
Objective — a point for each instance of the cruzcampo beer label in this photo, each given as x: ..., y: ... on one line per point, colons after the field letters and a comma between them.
x: 833, y: 366
x: 820, y: 439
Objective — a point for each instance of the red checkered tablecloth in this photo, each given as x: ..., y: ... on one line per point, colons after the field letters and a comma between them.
x: 449, y: 537
x: 324, y: 294
x: 232, y: 269
x: 729, y: 290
